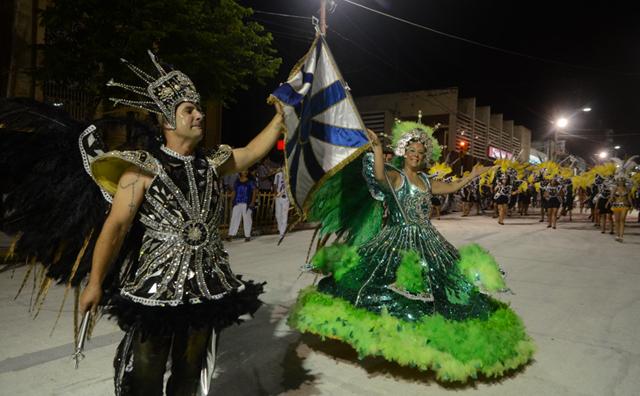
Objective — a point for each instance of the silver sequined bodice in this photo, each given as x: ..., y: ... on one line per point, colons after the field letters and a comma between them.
x: 182, y: 259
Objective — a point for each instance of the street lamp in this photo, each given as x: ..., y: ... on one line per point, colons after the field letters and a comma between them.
x: 562, y: 123
x: 620, y: 151
x: 603, y: 154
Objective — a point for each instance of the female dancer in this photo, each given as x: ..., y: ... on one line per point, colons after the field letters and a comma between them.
x: 543, y: 201
x: 553, y: 195
x: 604, y: 207
x: 567, y: 202
x: 620, y: 203
x: 503, y: 193
x: 469, y: 197
x: 402, y: 293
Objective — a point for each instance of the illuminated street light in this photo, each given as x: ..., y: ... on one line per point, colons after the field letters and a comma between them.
x: 617, y: 147
x: 561, y: 125
x: 602, y: 154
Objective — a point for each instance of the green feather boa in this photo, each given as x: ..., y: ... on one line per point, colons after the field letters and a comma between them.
x: 454, y: 350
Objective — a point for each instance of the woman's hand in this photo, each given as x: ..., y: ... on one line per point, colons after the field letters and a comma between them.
x: 373, y: 138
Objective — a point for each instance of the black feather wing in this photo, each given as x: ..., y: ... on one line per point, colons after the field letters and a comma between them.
x: 49, y: 203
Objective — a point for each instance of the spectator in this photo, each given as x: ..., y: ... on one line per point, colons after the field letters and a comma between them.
x: 243, y: 199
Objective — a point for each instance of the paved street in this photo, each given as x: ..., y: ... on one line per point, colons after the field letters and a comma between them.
x: 577, y: 290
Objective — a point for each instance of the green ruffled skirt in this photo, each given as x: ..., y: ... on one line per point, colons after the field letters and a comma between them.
x: 455, y: 350
x: 458, y: 331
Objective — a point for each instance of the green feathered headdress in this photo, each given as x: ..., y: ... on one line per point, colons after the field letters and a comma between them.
x: 407, y: 132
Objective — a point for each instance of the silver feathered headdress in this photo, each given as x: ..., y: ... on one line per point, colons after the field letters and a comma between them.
x: 624, y: 168
x: 406, y: 132
x: 162, y: 94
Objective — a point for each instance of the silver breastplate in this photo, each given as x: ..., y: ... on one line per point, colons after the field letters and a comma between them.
x: 182, y: 259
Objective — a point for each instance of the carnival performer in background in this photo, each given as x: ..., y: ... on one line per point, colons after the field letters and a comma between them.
x: 567, y: 202
x: 524, y: 198
x: 621, y: 197
x: 469, y: 196
x: 402, y: 291
x: 604, y: 205
x: 620, y: 203
x: 486, y: 194
x: 438, y: 171
x: 598, y: 184
x: 582, y: 197
x: 503, y: 193
x: 515, y: 184
x: 542, y: 183
x: 553, y: 194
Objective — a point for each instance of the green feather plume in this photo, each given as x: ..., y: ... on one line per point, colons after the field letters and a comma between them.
x: 480, y: 268
x: 337, y: 259
x: 344, y: 206
x: 409, y: 275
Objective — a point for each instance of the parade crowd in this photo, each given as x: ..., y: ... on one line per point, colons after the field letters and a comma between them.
x: 608, y: 192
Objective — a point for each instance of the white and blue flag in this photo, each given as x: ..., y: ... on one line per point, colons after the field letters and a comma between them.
x: 324, y: 128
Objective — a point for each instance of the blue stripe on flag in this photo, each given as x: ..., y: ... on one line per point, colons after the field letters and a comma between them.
x: 286, y: 94
x: 307, y: 77
x: 329, y: 96
x: 338, y: 136
x: 291, y: 144
x: 311, y: 162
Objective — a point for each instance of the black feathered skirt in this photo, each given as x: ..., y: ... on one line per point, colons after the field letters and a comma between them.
x: 156, y: 320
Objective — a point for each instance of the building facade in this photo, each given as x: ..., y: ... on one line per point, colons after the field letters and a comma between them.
x: 467, y: 132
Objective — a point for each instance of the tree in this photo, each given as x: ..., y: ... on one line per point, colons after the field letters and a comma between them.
x: 209, y: 40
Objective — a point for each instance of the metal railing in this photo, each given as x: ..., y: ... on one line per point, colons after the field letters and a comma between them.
x: 479, y: 146
x: 264, y: 216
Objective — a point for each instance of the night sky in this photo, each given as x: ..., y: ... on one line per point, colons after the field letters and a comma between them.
x: 573, y: 55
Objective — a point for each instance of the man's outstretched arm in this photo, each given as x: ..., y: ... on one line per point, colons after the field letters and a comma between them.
x: 257, y: 148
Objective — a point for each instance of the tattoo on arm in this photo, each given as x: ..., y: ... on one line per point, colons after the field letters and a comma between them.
x: 132, y: 204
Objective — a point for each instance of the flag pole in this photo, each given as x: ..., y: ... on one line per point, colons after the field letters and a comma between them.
x: 323, y: 17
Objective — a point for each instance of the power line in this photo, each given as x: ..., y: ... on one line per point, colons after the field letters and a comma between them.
x: 293, y: 29
x: 282, y: 15
x: 487, y: 46
x: 343, y: 37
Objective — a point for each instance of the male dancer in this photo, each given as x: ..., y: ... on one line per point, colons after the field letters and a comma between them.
x: 180, y: 291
